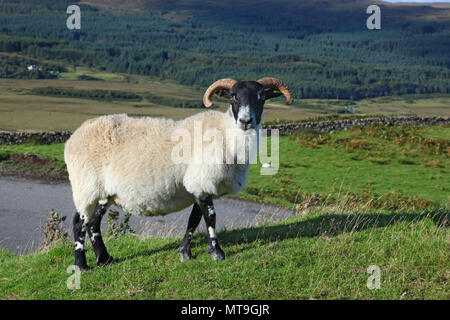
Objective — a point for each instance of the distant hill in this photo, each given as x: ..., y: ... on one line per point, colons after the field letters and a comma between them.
x: 321, y: 48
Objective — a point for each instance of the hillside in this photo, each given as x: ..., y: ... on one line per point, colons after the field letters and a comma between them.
x: 322, y: 49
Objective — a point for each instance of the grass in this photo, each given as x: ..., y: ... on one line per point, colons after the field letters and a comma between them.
x: 374, y: 196
x: 86, y: 73
x: 48, y: 151
x: 382, y: 167
x: 22, y: 110
x: 385, y: 167
x: 96, y: 94
x: 324, y: 255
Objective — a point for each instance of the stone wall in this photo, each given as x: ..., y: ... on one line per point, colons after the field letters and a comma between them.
x: 336, y: 125
x: 7, y: 137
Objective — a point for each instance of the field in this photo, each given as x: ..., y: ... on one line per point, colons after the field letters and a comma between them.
x: 380, y: 167
x: 22, y: 109
x: 324, y: 255
x: 395, y: 168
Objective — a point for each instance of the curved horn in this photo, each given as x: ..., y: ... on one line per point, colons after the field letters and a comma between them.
x: 275, y: 83
x: 216, y: 86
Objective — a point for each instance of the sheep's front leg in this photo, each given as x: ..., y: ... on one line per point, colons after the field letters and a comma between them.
x: 79, y: 233
x: 209, y: 214
x: 93, y: 230
x: 194, y: 219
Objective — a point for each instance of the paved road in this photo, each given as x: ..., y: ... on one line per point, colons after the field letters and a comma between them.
x: 25, y: 206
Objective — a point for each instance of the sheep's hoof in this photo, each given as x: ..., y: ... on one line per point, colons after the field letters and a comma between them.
x: 106, y: 261
x: 185, y: 254
x: 217, y: 254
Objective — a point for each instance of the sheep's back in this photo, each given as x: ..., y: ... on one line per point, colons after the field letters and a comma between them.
x: 123, y: 157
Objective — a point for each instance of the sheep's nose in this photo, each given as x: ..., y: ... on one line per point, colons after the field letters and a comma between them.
x: 245, y: 121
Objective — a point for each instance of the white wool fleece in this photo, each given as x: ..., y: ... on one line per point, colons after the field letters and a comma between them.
x: 127, y: 161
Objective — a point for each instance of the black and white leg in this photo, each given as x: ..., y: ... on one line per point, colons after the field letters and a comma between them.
x: 194, y: 220
x: 79, y: 232
x: 209, y: 214
x: 94, y: 233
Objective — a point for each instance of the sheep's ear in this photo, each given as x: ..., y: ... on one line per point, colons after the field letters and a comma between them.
x: 272, y: 93
x: 224, y: 93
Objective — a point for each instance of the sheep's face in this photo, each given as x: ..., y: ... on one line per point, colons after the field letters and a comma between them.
x: 247, y: 100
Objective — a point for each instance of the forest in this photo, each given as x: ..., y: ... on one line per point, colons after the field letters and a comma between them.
x: 321, y: 50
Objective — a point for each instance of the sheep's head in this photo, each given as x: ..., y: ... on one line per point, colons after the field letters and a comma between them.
x: 247, y: 98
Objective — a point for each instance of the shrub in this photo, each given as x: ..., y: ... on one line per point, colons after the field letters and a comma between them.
x: 116, y: 229
x: 54, y: 230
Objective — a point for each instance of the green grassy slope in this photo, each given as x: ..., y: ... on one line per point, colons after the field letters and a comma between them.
x: 320, y: 256
x: 388, y: 167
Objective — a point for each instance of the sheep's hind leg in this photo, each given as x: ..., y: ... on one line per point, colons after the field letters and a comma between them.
x: 209, y: 213
x: 79, y: 233
x: 194, y: 219
x: 93, y: 230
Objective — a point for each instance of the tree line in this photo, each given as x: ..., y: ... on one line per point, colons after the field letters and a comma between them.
x: 316, y: 56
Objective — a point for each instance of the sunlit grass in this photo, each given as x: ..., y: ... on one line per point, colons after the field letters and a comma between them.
x: 362, y: 165
x: 324, y: 255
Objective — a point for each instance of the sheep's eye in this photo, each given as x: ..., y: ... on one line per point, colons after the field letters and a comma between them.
x: 261, y: 96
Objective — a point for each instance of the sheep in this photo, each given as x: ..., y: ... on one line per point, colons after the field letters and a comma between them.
x: 116, y: 159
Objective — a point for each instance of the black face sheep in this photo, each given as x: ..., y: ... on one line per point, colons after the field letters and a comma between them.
x: 135, y: 163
